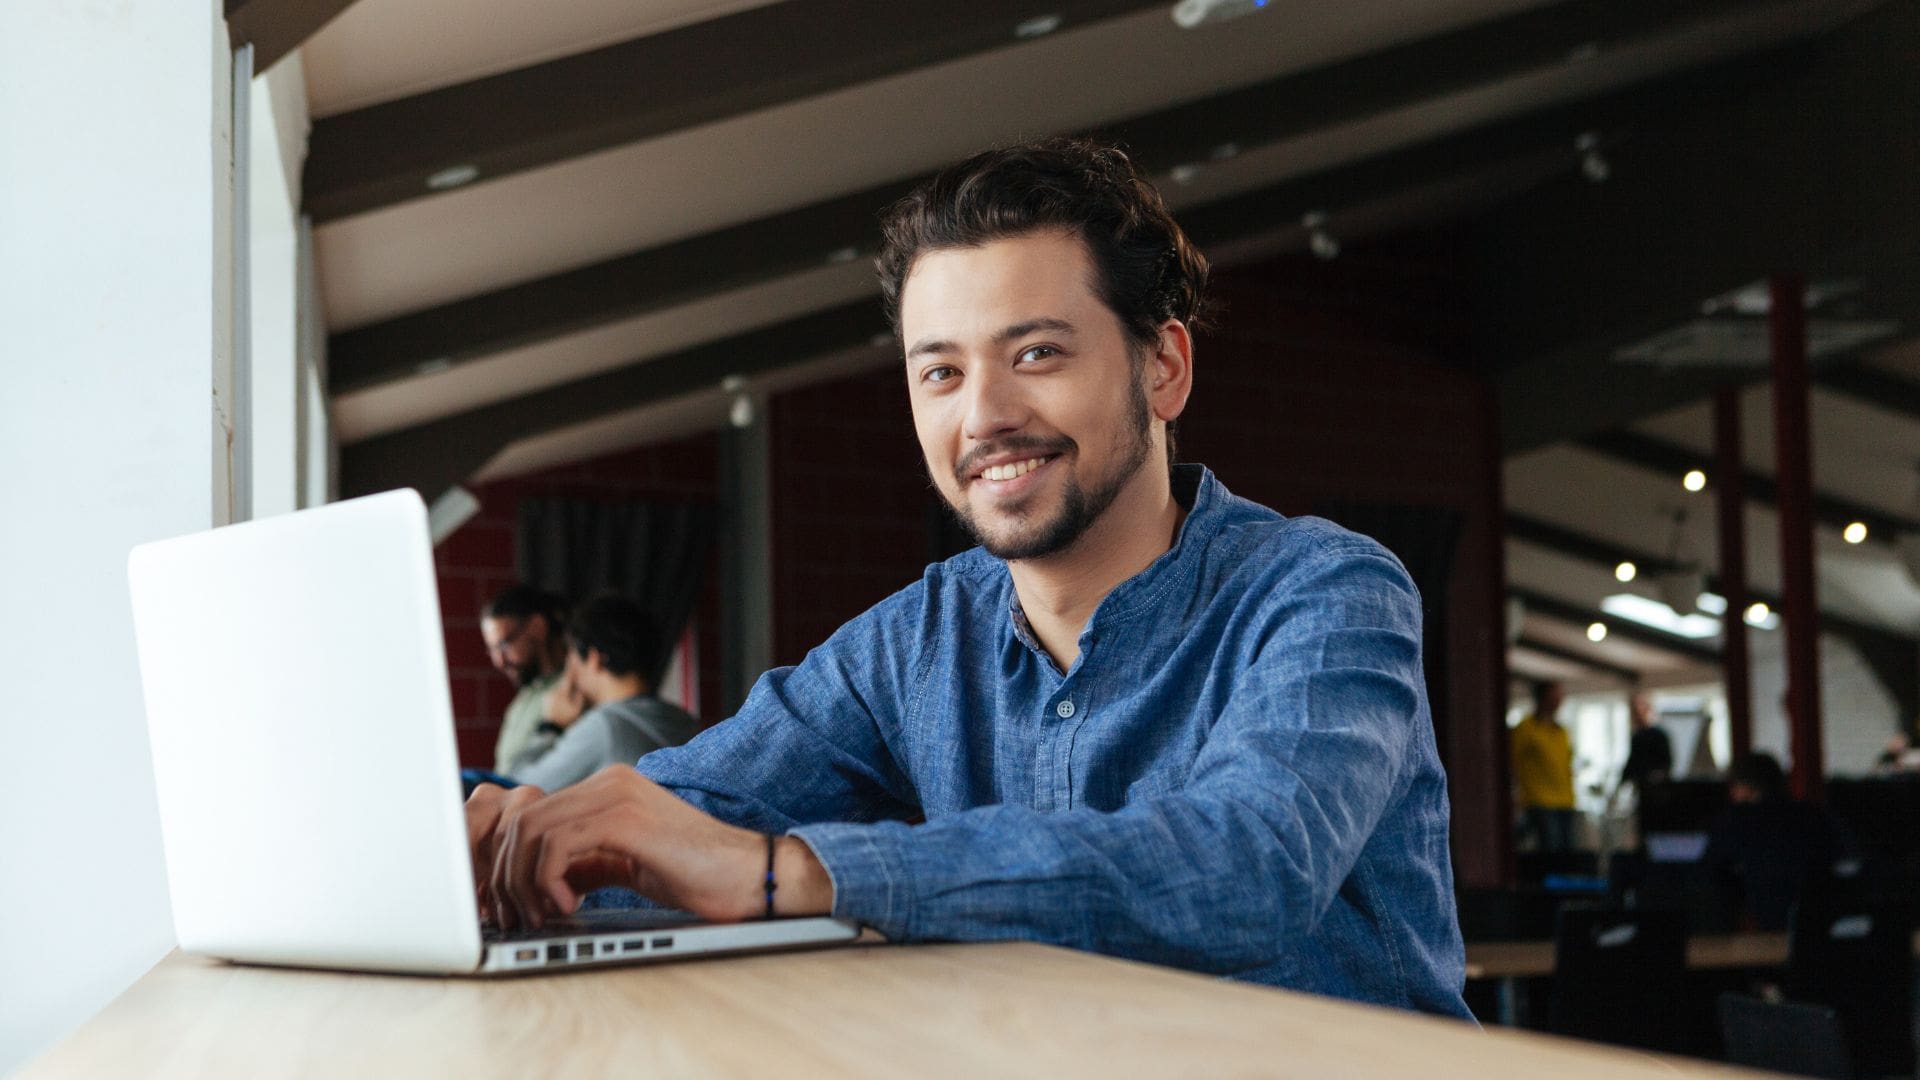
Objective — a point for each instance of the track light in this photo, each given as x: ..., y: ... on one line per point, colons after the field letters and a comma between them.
x: 1625, y: 572
x: 1319, y: 240
x: 1593, y: 164
x: 1695, y: 480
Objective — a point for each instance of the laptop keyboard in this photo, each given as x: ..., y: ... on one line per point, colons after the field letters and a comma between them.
x: 598, y: 921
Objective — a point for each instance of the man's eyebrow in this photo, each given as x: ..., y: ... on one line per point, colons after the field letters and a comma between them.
x: 936, y: 346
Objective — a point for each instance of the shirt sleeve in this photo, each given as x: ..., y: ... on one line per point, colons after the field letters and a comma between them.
x: 1296, y: 774
x: 576, y: 754
x: 809, y: 743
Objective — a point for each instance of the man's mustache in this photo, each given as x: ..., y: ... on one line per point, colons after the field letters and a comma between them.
x: 1031, y: 445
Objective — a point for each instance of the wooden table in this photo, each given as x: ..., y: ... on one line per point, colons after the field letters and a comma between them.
x: 885, y: 1011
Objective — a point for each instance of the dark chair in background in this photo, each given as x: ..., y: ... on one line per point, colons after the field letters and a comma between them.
x: 1784, y: 1036
x: 1620, y: 977
x: 1858, y: 959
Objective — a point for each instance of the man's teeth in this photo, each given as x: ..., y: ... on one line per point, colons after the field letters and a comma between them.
x: 1008, y: 472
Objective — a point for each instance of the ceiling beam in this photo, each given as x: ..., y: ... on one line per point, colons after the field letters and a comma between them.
x: 1871, y: 386
x: 1571, y: 656
x: 277, y: 27
x: 1580, y: 615
x: 442, y: 452
x: 1674, y: 461
x: 433, y: 457
x: 1606, y: 553
x: 802, y: 239
x: 649, y: 86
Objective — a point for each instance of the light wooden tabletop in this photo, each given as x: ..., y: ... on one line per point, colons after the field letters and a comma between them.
x: 972, y: 1010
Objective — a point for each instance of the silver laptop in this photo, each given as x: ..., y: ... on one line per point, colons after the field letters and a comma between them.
x: 303, y: 754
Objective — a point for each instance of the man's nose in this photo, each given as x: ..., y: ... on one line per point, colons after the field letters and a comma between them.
x: 994, y: 405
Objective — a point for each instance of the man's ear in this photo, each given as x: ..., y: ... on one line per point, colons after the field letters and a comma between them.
x: 1169, y: 371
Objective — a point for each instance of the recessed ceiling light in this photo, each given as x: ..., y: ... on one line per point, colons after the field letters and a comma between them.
x: 841, y: 256
x: 1758, y: 613
x: 1038, y: 26
x: 453, y: 177
x: 1184, y: 174
x: 1224, y: 151
x: 1597, y: 632
x: 1694, y: 480
x: 1855, y: 533
x: 1626, y: 571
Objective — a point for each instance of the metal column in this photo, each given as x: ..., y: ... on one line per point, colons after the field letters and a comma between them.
x: 1793, y: 458
x: 1730, y: 497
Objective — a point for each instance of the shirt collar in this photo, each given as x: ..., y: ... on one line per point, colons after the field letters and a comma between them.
x: 1204, y: 498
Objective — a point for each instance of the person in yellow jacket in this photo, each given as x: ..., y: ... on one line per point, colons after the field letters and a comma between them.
x: 1543, y: 771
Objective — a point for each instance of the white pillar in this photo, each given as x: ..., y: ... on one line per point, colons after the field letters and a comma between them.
x: 115, y: 319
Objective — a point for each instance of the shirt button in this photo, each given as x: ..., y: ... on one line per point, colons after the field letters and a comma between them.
x: 1065, y: 708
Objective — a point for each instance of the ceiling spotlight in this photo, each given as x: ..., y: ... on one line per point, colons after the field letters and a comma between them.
x: 453, y: 177
x: 1225, y: 151
x: 1695, y: 480
x: 1757, y: 613
x: 1319, y: 240
x: 1038, y: 26
x: 1626, y: 571
x: 1597, y: 632
x: 1184, y: 174
x: 1593, y: 165
x: 740, y: 411
x: 842, y: 256
x: 1854, y: 533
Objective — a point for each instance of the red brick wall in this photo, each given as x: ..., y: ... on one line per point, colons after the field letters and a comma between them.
x: 850, y: 502
x: 477, y: 561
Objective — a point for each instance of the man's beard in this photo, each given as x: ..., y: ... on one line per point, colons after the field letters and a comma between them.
x: 526, y: 673
x: 1079, y: 508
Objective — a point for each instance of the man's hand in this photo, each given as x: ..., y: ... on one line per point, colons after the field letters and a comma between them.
x: 534, y: 854
x: 564, y: 702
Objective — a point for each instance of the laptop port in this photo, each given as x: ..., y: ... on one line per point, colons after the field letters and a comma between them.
x: 663, y: 943
x: 525, y: 956
x: 633, y: 944
x: 556, y: 954
x: 583, y: 950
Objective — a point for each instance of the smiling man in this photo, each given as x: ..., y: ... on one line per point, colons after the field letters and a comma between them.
x: 1144, y: 717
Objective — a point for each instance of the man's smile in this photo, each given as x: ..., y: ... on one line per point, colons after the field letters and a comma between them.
x: 1007, y: 479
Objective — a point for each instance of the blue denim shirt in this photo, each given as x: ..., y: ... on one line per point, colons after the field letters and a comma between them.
x: 1237, y: 776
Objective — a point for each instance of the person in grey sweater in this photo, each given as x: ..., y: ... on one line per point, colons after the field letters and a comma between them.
x: 603, y: 711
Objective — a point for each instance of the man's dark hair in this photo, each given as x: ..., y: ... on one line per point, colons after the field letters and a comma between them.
x: 523, y: 601
x: 1761, y: 772
x: 1544, y: 687
x: 626, y: 636
x: 1148, y: 272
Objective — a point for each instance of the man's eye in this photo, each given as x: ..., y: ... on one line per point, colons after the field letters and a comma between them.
x: 938, y: 374
x: 1038, y: 352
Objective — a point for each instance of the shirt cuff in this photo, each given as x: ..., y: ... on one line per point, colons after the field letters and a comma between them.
x: 868, y: 873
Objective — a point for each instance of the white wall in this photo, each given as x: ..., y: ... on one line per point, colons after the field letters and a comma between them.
x: 1857, y: 715
x: 113, y: 180
x: 275, y: 151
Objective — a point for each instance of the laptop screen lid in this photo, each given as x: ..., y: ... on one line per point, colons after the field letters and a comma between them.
x: 302, y: 732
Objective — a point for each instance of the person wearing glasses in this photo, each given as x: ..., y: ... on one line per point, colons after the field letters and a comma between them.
x: 523, y: 630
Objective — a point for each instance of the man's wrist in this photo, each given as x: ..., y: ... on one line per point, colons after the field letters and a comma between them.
x: 804, y: 886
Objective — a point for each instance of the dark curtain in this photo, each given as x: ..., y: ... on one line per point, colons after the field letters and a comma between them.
x: 654, y: 553
x: 1424, y: 539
